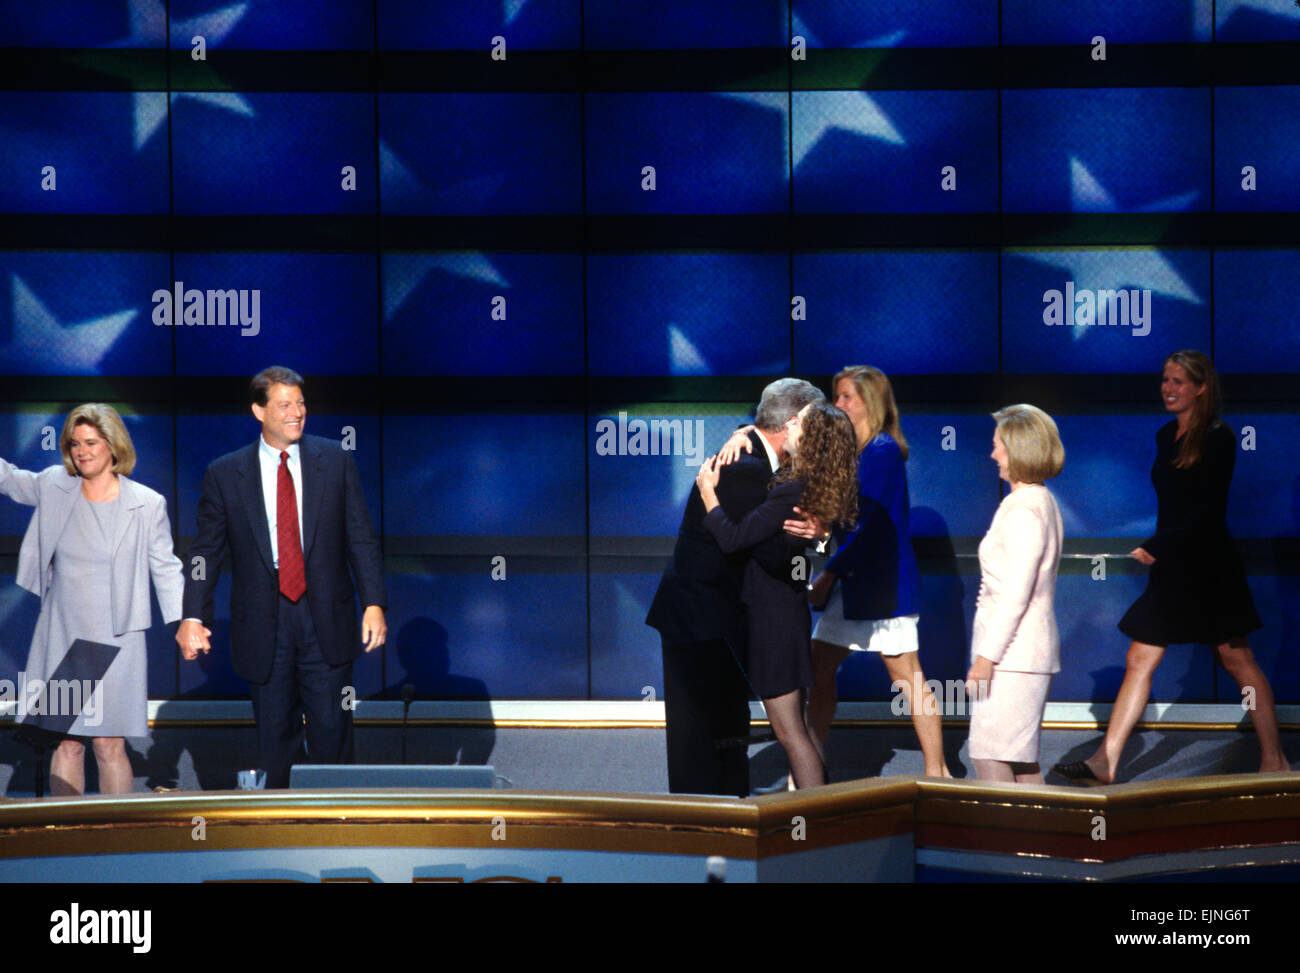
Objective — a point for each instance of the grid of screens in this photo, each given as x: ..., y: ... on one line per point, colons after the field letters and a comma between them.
x: 541, y: 256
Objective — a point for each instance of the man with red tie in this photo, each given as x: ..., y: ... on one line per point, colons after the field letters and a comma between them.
x: 288, y: 516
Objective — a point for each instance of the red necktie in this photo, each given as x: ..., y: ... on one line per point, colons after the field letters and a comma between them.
x: 293, y: 577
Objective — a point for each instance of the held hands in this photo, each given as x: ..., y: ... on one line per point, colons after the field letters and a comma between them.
x: 979, y: 678
x: 1142, y: 556
x: 374, y: 630
x: 192, y: 637
x: 733, y: 447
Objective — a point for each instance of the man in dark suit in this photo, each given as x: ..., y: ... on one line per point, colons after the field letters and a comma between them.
x: 288, y: 515
x: 700, y: 619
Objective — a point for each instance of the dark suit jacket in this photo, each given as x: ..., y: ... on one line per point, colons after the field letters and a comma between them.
x: 337, y: 535
x: 699, y: 595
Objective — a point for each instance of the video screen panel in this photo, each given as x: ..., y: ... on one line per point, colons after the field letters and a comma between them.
x: 1254, y: 311
x: 512, y: 153
x: 486, y: 314
x: 470, y: 25
x: 1105, y: 488
x: 84, y: 23
x: 688, y: 314
x: 896, y: 23
x: 448, y: 474
x: 82, y: 313
x: 1237, y: 21
x: 952, y: 481
x: 467, y: 636
x: 1256, y: 131
x: 905, y: 312
x: 1106, y: 150
x: 265, y: 152
x: 1092, y: 648
x: 895, y: 151
x: 687, y: 152
x: 83, y: 152
x: 295, y: 25
x: 1054, y: 303
x: 1079, y: 21
x: 643, y: 461
x: 662, y: 25
x: 313, y: 309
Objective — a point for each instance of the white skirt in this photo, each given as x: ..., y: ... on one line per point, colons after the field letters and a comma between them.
x: 888, y: 636
x: 1006, y: 725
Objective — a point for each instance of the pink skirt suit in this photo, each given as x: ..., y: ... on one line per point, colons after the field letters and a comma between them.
x: 1015, y: 625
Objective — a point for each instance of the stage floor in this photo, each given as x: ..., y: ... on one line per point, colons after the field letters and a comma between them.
x: 628, y: 760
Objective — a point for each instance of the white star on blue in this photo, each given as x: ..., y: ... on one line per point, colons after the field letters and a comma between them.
x: 404, y: 272
x: 148, y: 21
x: 40, y: 339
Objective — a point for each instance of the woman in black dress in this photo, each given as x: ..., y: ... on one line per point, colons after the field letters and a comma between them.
x: 1197, y: 589
x: 822, y: 479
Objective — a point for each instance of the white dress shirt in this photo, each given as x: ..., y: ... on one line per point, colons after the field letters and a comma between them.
x: 771, y: 453
x: 268, y: 457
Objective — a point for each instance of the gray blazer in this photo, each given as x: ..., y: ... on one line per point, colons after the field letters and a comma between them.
x: 141, y: 545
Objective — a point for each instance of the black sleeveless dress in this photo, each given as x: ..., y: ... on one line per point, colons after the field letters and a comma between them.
x: 1197, y: 590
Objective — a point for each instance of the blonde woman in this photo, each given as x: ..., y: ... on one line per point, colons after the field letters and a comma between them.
x: 871, y: 587
x: 1015, y: 647
x: 95, y: 541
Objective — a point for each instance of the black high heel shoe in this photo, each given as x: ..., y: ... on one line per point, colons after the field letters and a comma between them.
x: 1078, y: 772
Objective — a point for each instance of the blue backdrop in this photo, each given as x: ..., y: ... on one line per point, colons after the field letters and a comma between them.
x: 486, y: 231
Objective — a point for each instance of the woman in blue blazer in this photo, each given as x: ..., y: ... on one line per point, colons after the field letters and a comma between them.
x: 94, y: 542
x: 876, y: 604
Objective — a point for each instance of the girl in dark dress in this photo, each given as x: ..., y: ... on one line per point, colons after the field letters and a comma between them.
x: 822, y: 480
x: 1197, y: 590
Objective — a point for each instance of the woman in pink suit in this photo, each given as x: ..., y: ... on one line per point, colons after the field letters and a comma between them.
x: 1015, y: 648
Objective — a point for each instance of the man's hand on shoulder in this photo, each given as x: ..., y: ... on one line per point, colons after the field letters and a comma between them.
x: 805, y: 526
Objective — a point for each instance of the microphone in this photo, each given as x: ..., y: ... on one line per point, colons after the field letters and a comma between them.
x: 408, y: 695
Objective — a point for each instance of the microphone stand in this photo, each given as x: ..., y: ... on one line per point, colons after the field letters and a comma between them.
x: 408, y: 695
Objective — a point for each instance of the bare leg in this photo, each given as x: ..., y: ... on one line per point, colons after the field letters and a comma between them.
x: 823, y: 697
x: 995, y: 770
x: 68, y: 769
x: 905, y: 669
x: 1132, y: 699
x: 786, y: 715
x: 1028, y: 773
x: 115, y: 775
x: 1241, y: 665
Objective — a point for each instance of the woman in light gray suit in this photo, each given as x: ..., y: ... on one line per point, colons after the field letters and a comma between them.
x: 1015, y: 647
x: 94, y: 541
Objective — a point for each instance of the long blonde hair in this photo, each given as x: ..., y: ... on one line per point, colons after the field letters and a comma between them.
x: 873, y: 388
